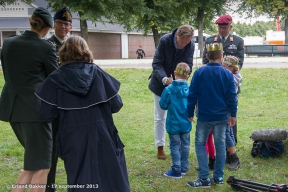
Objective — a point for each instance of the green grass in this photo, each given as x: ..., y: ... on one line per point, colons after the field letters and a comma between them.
x: 262, y: 104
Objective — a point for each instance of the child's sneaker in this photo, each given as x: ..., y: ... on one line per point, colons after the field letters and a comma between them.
x: 200, y: 183
x: 173, y: 174
x: 183, y: 172
x: 217, y: 181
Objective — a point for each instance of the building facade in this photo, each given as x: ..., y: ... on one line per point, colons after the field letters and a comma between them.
x: 109, y: 41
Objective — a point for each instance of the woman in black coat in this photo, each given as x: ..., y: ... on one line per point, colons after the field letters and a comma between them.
x: 84, y: 97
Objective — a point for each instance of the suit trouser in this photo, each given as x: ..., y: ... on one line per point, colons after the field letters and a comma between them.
x: 159, y: 123
x: 52, y: 174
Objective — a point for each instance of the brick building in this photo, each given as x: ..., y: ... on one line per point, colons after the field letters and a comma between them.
x: 109, y: 41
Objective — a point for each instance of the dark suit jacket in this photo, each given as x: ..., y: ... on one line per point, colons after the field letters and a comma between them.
x: 233, y: 45
x: 26, y: 61
x: 166, y: 59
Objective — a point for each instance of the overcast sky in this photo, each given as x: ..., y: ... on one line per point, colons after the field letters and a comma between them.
x: 236, y: 17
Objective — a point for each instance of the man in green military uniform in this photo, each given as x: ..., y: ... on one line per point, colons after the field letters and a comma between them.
x: 232, y: 44
x: 62, y: 26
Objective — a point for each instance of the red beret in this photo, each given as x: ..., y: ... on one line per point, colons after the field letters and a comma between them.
x: 224, y: 20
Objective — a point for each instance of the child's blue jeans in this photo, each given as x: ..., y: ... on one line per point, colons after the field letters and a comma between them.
x: 179, y: 151
x: 230, y: 140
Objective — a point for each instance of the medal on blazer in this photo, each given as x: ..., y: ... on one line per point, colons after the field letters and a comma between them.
x: 232, y: 47
x: 231, y: 39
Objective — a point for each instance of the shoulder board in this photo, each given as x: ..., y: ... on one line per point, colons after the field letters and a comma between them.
x: 12, y: 36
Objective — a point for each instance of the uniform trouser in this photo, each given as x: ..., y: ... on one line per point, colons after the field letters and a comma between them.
x: 52, y: 174
x: 159, y: 123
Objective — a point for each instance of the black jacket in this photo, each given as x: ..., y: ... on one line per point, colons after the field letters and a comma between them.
x: 84, y: 97
x: 166, y: 59
x: 26, y: 61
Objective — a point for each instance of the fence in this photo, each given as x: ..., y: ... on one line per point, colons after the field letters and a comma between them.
x: 266, y: 50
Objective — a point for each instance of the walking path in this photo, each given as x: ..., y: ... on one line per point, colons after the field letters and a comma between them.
x: 249, y: 62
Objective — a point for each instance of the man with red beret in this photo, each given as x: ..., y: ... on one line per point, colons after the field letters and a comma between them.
x: 232, y: 44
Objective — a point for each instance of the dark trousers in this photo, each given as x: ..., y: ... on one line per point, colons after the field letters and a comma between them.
x: 235, y: 132
x: 52, y: 173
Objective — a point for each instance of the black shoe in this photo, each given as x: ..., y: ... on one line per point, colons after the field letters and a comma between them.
x: 235, y: 163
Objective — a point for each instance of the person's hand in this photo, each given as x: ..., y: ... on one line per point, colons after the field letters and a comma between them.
x: 168, y: 81
x: 191, y: 119
x: 231, y: 121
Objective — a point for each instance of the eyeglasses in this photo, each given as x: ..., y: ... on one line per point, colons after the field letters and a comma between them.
x: 60, y: 23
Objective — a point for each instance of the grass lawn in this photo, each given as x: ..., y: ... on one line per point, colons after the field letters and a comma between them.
x: 262, y: 104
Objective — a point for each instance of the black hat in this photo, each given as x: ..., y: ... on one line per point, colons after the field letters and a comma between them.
x: 63, y: 14
x: 45, y: 15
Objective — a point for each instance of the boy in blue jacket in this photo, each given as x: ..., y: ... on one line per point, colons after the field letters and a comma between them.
x: 174, y: 99
x: 213, y: 90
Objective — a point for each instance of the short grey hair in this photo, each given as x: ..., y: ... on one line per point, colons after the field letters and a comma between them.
x: 185, y: 31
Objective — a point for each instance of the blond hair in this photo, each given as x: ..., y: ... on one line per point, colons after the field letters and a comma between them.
x: 75, y: 48
x: 231, y: 61
x: 182, y: 70
x: 185, y: 31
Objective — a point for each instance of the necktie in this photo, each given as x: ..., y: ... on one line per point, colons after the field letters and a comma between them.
x: 223, y: 40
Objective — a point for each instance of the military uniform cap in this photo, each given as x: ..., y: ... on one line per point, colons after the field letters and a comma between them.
x: 63, y: 14
x: 45, y: 15
x: 224, y: 20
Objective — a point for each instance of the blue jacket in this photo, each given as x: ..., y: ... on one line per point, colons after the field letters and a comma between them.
x: 174, y: 99
x: 212, y: 86
x: 166, y: 59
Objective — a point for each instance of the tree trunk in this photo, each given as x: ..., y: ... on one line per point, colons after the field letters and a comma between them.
x: 156, y: 36
x: 200, y: 16
x: 286, y: 30
x: 83, y: 28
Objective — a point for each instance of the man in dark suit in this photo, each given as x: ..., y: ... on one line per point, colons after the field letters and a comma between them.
x: 62, y: 26
x: 172, y: 49
x: 232, y: 44
x: 26, y: 61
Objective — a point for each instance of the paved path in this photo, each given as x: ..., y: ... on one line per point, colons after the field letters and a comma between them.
x: 249, y: 62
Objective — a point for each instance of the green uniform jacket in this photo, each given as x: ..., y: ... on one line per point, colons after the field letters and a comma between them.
x: 233, y: 45
x: 26, y: 62
x: 55, y: 42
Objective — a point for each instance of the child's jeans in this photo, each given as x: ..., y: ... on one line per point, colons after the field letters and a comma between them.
x: 230, y: 140
x: 179, y: 151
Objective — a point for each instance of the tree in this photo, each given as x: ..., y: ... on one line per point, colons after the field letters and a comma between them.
x: 94, y: 11
x: 206, y: 11
x: 272, y: 8
x: 156, y: 16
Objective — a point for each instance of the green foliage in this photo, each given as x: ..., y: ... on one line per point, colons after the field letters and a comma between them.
x: 262, y: 104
